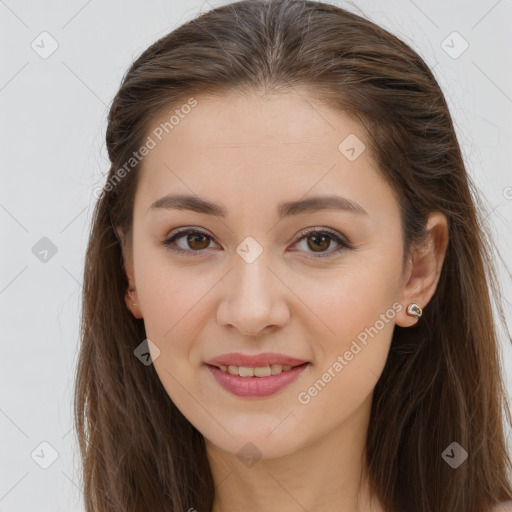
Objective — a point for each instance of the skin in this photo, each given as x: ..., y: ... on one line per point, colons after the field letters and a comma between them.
x: 249, y: 153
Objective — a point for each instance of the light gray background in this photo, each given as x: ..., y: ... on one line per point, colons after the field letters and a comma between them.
x: 53, y: 156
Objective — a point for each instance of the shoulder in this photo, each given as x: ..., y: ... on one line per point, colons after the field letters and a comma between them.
x: 505, y: 506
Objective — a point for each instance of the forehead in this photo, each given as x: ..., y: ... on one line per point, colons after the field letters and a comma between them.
x: 255, y: 147
x: 279, y: 122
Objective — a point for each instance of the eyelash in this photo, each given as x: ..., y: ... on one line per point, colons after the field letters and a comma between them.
x: 343, y: 244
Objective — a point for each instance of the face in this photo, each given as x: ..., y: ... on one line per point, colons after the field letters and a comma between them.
x: 318, y: 284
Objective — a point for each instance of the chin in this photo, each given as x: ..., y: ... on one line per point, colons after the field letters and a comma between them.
x: 256, y: 444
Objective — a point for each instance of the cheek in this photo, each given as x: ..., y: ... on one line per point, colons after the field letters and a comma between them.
x: 357, y: 312
x: 170, y: 295
x: 172, y: 303
x: 354, y: 349
x: 350, y: 362
x: 350, y: 299
x: 172, y: 312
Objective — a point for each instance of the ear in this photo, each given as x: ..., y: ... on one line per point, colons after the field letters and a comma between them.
x: 131, y: 297
x: 423, y: 268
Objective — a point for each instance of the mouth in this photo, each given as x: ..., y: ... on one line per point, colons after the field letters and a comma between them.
x: 256, y: 371
x: 256, y: 382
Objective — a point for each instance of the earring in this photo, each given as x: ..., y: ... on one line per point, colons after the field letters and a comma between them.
x: 414, y: 310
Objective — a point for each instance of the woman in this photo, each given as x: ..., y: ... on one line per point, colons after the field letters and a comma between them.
x: 286, y: 294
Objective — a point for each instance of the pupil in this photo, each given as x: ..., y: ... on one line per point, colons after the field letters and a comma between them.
x: 325, y: 239
x: 193, y: 238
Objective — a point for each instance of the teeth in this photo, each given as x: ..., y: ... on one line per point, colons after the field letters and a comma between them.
x: 259, y: 371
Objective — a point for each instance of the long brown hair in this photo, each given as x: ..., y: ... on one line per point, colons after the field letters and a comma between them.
x: 442, y: 382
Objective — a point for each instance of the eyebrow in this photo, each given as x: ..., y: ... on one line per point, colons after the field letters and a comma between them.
x: 284, y: 209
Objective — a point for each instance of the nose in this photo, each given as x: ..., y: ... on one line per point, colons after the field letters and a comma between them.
x: 254, y: 299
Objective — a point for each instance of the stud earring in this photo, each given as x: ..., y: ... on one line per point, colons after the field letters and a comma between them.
x: 414, y: 310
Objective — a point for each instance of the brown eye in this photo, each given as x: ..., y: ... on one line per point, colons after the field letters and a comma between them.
x: 197, y: 241
x: 320, y: 242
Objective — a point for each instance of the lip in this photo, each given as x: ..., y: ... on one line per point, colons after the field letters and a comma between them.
x: 258, y: 360
x: 256, y: 387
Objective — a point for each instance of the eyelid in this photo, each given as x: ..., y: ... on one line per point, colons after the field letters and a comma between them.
x: 341, y: 240
x: 178, y: 233
x: 322, y: 230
